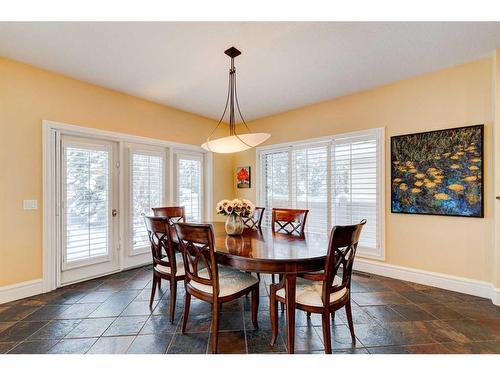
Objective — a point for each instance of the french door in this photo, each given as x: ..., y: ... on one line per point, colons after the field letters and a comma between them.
x: 99, y: 186
x: 88, y: 208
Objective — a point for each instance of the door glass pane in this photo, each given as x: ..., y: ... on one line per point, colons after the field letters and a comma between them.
x: 189, y: 189
x: 86, y: 203
x: 147, y: 192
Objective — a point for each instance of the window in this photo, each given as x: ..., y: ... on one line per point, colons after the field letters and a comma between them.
x: 339, y: 179
x: 86, y: 200
x: 146, y: 191
x: 189, y: 184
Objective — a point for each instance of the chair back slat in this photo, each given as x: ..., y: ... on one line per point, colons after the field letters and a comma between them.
x: 343, y: 243
x: 288, y: 220
x: 196, y: 242
x: 255, y: 221
x: 160, y: 238
x: 175, y: 213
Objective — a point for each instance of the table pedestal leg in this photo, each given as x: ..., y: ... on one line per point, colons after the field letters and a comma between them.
x: 290, y: 282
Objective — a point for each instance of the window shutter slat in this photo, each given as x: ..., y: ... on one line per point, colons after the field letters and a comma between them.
x: 147, y: 192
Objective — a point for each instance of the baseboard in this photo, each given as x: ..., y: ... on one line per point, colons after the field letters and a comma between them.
x: 21, y: 290
x: 495, y: 298
x: 439, y: 280
x: 458, y: 284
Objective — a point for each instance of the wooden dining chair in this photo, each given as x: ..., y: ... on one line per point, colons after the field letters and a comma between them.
x: 167, y: 263
x: 324, y: 293
x: 208, y: 281
x: 255, y: 221
x: 175, y: 213
x: 288, y: 220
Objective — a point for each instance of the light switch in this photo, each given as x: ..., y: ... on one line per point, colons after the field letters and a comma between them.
x: 30, y: 204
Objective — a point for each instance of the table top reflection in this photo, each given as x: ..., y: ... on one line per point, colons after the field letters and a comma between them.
x: 265, y: 251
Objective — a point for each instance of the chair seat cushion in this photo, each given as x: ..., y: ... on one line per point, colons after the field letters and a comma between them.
x: 166, y: 270
x: 231, y: 281
x: 308, y: 292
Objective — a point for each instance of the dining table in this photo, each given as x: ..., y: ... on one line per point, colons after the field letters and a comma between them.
x: 264, y: 251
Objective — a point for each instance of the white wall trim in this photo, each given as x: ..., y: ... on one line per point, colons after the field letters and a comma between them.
x: 495, y: 296
x: 435, y: 279
x: 20, y: 290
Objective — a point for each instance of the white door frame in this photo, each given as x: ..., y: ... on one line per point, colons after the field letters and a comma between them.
x: 51, y: 132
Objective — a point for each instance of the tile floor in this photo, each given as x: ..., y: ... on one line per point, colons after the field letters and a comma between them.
x: 111, y: 315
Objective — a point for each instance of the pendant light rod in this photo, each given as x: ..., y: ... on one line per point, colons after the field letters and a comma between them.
x: 246, y: 141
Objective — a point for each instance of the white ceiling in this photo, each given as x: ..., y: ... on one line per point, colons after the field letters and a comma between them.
x: 283, y: 66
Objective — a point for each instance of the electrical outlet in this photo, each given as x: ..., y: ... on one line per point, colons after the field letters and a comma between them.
x: 30, y: 204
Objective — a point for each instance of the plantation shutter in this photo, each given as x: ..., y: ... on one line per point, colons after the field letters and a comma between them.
x: 354, y: 164
x: 146, y: 192
x: 339, y: 180
x: 310, y: 185
x: 190, y: 185
x: 275, y: 178
x: 86, y: 201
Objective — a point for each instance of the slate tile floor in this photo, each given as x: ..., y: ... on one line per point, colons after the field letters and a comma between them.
x: 112, y: 315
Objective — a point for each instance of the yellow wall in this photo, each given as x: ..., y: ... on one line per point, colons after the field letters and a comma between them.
x: 29, y: 95
x: 449, y: 98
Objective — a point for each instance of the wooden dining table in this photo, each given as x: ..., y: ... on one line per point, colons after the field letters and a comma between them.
x: 275, y: 253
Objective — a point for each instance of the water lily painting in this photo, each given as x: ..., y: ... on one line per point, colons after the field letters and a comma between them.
x: 243, y: 177
x: 438, y: 172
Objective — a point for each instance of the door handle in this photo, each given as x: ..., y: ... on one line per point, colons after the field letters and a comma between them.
x: 114, y: 212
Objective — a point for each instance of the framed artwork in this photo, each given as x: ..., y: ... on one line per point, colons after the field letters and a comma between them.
x: 438, y: 172
x: 243, y: 177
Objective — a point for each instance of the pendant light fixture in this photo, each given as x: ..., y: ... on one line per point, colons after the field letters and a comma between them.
x: 234, y: 142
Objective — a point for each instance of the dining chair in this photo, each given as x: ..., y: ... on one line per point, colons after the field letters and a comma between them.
x: 255, y: 221
x: 290, y: 221
x: 208, y: 281
x: 175, y: 213
x: 325, y: 292
x: 167, y: 263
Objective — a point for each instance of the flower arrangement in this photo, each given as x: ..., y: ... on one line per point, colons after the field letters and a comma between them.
x: 235, y: 207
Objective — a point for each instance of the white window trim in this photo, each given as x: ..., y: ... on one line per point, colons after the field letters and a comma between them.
x: 379, y: 133
x: 51, y: 132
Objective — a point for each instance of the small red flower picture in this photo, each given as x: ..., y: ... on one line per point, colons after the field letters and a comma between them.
x: 243, y: 177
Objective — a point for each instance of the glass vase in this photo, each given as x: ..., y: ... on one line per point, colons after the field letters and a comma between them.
x: 234, y: 225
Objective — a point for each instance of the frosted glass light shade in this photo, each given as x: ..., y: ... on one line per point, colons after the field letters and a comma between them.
x: 234, y: 143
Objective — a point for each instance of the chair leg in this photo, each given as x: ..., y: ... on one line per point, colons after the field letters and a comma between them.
x: 173, y: 297
x: 326, y: 332
x: 282, y: 304
x: 255, y: 306
x: 333, y: 315
x: 348, y: 312
x: 308, y: 314
x: 273, y: 312
x: 215, y: 326
x: 159, y: 283
x: 153, y: 290
x: 187, y: 304
x: 272, y: 278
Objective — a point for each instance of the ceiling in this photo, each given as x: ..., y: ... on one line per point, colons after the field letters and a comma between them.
x: 284, y: 65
